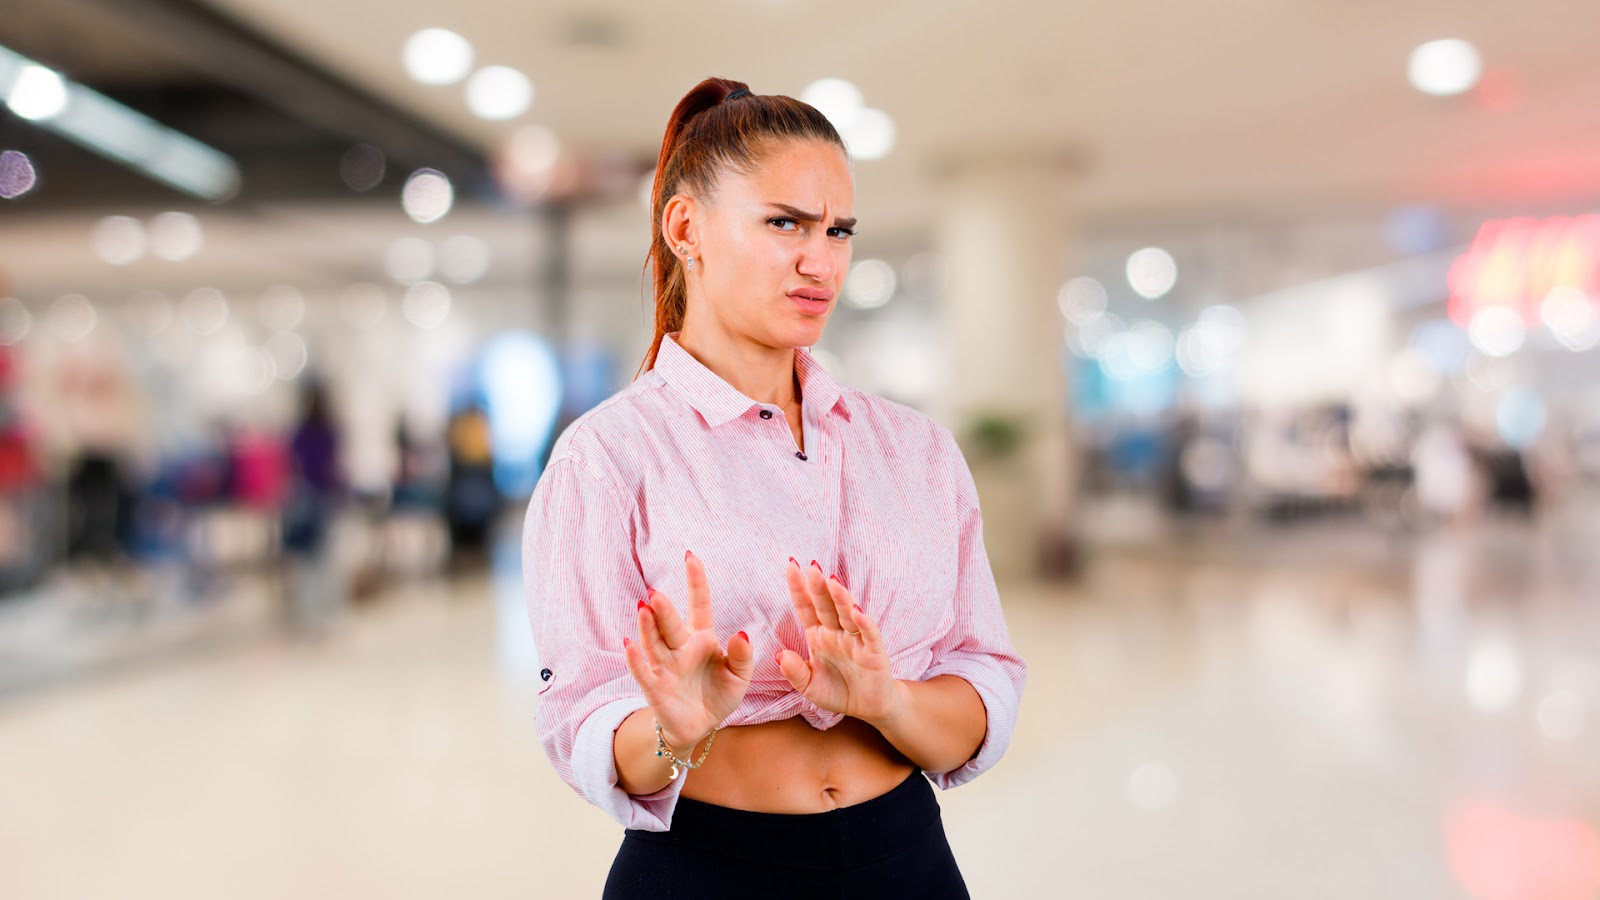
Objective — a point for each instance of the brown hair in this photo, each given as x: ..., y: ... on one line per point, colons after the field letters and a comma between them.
x: 706, y: 134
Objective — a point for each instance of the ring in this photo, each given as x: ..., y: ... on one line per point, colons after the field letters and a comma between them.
x: 848, y: 631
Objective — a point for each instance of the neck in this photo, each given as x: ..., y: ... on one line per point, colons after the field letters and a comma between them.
x: 762, y: 373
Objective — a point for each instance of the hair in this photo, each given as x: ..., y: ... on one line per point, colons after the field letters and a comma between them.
x: 706, y: 135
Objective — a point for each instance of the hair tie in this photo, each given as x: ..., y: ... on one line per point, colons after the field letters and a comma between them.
x: 741, y: 92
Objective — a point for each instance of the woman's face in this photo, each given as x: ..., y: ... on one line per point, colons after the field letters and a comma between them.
x: 773, y: 246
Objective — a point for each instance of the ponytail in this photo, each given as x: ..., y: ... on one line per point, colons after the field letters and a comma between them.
x: 719, y: 123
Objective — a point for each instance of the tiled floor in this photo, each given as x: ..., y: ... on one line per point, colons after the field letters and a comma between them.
x: 1327, y: 712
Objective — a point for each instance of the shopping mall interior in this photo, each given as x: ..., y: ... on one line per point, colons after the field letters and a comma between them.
x: 1270, y: 334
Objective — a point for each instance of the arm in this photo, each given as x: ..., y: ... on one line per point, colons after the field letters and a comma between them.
x: 938, y: 724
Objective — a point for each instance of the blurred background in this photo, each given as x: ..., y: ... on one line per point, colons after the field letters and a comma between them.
x: 1269, y: 332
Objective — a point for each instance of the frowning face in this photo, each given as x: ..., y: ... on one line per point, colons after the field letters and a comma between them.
x: 772, y: 246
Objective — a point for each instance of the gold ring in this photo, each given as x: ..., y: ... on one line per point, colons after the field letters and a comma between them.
x: 848, y: 631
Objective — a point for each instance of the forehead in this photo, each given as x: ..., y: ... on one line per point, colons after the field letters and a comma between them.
x: 811, y: 174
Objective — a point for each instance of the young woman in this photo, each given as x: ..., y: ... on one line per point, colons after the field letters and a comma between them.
x: 662, y: 545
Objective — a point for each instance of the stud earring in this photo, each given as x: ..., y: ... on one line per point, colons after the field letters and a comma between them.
x: 689, y: 262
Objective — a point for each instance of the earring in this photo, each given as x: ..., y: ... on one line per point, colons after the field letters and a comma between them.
x: 688, y: 262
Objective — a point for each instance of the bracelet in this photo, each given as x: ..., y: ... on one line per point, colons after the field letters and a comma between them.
x: 662, y: 750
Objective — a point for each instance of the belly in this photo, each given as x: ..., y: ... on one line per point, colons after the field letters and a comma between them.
x: 789, y: 767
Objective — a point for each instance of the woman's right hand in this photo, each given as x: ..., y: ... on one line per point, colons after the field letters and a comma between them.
x: 689, y: 682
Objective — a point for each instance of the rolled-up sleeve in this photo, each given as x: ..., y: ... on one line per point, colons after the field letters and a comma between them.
x: 582, y: 582
x: 977, y: 647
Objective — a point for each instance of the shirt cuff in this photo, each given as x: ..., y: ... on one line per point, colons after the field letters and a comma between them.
x: 594, y: 767
x: 999, y: 704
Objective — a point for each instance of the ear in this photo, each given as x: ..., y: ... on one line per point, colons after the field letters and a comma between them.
x: 680, y: 226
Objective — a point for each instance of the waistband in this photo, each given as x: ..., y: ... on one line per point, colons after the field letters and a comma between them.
x: 837, y: 839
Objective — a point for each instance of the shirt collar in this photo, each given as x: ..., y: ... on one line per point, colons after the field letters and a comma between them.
x: 718, y: 401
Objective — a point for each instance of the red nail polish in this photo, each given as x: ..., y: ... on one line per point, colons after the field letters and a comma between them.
x: 686, y: 556
x: 626, y: 643
x: 814, y: 563
x: 835, y: 580
x: 795, y: 561
x: 643, y: 605
x: 745, y: 636
x: 778, y: 657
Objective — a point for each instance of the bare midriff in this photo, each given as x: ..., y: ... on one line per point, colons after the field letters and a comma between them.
x: 789, y: 767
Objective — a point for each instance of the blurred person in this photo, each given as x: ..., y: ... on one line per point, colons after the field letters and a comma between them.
x: 828, y: 698
x: 472, y: 501
x: 316, y: 486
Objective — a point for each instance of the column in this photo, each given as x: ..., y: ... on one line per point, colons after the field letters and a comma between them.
x: 1005, y: 236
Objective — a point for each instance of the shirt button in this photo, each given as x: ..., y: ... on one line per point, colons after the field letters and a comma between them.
x: 800, y: 454
x: 766, y: 414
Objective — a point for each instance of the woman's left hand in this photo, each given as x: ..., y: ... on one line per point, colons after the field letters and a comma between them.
x: 848, y: 671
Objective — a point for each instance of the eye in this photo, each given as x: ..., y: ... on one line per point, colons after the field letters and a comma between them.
x: 780, y: 220
x: 845, y: 233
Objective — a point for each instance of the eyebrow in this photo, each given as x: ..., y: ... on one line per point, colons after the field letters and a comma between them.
x: 804, y: 216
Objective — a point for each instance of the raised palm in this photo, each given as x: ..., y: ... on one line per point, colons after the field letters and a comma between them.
x: 848, y: 669
x: 691, y: 684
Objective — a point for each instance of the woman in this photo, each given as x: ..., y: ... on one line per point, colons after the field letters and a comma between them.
x: 661, y: 546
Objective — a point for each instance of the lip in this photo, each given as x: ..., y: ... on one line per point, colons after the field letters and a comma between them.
x: 812, y: 293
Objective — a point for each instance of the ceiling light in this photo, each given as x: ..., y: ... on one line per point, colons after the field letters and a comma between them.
x: 499, y: 92
x: 1444, y: 67
x: 437, y: 56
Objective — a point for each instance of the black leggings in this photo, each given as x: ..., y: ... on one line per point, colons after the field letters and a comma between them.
x: 889, y: 846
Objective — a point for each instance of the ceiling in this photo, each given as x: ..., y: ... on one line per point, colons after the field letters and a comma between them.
x: 1179, y: 110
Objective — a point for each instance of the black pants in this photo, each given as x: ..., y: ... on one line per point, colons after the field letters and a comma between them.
x: 889, y: 846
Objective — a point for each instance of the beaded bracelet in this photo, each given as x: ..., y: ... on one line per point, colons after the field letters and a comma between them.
x: 665, y: 752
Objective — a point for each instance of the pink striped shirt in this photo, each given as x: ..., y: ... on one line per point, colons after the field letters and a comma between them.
x: 681, y: 460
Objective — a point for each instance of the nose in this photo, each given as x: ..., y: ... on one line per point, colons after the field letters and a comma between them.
x: 817, y: 258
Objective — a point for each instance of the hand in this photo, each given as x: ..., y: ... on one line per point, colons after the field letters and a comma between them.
x: 848, y: 671
x: 689, y: 682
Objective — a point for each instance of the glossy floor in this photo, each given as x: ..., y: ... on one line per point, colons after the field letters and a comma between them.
x: 1327, y: 712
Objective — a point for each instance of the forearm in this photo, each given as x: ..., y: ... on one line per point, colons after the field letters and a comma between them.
x: 938, y: 724
x: 639, y: 770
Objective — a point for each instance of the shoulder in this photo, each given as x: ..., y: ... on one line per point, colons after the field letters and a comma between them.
x: 610, y: 440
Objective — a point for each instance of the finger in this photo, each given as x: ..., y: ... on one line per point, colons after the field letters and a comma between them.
x: 799, y: 595
x: 699, y: 593
x: 870, y: 635
x: 841, y: 601
x: 795, y: 668
x: 673, y: 631
x: 656, y: 651
x: 638, y: 666
x: 741, y: 657
x: 817, y: 591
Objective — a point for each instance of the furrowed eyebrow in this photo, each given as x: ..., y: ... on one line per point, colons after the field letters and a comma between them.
x: 804, y: 216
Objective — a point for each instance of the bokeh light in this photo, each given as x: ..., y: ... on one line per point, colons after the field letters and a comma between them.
x: 870, y: 285
x: 175, y: 236
x: 204, y: 311
x: 362, y: 167
x: 1444, y: 67
x: 437, y: 56
x: 463, y: 259
x: 870, y: 134
x: 119, y: 240
x: 499, y: 92
x: 71, y: 318
x: 281, y: 308
x: 409, y: 260
x: 37, y: 93
x: 837, y: 99
x: 1519, y: 417
x: 1496, y: 331
x: 17, y: 175
x: 15, y: 321
x: 427, y: 196
x: 1152, y: 272
x: 426, y: 304
x: 1081, y: 299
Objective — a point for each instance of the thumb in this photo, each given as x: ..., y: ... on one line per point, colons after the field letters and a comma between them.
x: 741, y: 657
x: 795, y: 669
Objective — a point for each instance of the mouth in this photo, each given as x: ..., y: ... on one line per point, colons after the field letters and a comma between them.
x: 822, y: 295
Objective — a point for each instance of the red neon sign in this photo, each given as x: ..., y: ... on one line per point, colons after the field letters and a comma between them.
x: 1516, y: 262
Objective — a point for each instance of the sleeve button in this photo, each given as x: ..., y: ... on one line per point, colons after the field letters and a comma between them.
x: 546, y: 674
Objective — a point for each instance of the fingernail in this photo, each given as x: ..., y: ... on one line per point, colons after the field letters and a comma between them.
x: 855, y: 607
x: 795, y: 561
x: 626, y: 643
x: 686, y: 555
x: 745, y: 636
x: 814, y: 563
x: 778, y: 657
x: 643, y: 605
x: 835, y: 580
